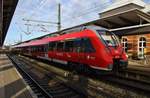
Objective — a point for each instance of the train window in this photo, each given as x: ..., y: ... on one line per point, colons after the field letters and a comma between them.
x: 55, y: 46
x: 32, y: 49
x: 43, y: 48
x: 52, y: 46
x: 77, y: 45
x: 46, y: 47
x: 60, y: 46
x: 40, y: 48
x: 88, y: 47
x: 69, y: 46
x: 108, y: 38
x: 35, y: 48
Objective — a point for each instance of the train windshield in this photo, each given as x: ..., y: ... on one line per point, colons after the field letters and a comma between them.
x: 109, y: 38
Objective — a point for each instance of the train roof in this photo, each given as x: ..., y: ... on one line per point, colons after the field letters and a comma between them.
x: 33, y: 43
x: 67, y: 30
x: 64, y: 33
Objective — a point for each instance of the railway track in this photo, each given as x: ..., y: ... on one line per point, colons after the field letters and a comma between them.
x: 133, y: 78
x: 132, y: 83
x: 136, y: 75
x: 47, y: 86
x: 113, y: 86
x: 138, y: 80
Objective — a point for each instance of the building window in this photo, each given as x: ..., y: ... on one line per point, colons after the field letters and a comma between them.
x: 142, y: 46
x: 125, y: 44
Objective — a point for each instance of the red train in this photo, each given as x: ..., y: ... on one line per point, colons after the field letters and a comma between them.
x: 85, y: 46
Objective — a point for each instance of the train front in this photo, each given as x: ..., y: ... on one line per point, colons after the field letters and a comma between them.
x: 115, y: 50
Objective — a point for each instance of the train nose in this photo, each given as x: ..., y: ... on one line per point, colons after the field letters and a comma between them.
x: 115, y: 51
x: 116, y: 54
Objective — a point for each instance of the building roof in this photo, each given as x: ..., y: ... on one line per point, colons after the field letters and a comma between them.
x: 124, y: 19
x: 8, y: 11
x: 120, y: 3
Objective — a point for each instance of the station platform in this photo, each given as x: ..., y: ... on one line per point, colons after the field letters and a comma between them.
x: 12, y: 84
x: 139, y: 65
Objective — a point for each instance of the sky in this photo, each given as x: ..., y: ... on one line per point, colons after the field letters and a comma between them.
x: 73, y: 12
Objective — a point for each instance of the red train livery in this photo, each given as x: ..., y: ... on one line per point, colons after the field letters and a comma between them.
x: 90, y: 46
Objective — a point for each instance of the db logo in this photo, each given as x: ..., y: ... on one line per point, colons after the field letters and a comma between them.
x: 116, y: 51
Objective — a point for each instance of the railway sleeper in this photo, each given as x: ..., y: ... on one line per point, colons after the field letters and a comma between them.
x: 54, y: 88
x: 65, y: 95
x: 58, y: 91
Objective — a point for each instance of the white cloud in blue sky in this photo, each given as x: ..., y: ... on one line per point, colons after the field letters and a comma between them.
x: 74, y: 12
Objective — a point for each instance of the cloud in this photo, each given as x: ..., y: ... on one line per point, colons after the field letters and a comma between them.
x: 74, y: 12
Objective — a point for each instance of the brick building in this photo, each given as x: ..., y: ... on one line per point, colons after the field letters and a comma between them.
x: 132, y: 21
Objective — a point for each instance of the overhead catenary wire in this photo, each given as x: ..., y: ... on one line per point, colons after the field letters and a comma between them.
x: 85, y: 12
x: 18, y: 27
x: 37, y: 8
x: 88, y: 11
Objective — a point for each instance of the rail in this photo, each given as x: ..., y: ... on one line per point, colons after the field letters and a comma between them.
x: 105, y: 84
x: 56, y: 89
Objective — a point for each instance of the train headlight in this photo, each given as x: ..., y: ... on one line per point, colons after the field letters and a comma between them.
x: 126, y: 55
x: 117, y: 56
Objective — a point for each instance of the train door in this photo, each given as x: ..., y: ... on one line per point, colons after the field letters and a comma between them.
x: 89, y: 52
x: 39, y: 51
x: 69, y: 54
x: 54, y: 53
x: 51, y: 49
x: 46, y: 50
x: 60, y: 50
x: 79, y: 50
x: 29, y: 53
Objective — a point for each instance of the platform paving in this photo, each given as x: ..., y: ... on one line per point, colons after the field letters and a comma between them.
x: 139, y: 65
x: 12, y: 84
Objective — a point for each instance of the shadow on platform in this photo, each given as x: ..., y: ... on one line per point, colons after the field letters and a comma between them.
x: 15, y: 89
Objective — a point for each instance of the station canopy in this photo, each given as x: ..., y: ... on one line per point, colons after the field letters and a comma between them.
x: 8, y: 8
x: 132, y: 30
x: 125, y: 22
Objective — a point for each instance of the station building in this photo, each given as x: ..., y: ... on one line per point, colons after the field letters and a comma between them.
x: 130, y: 20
